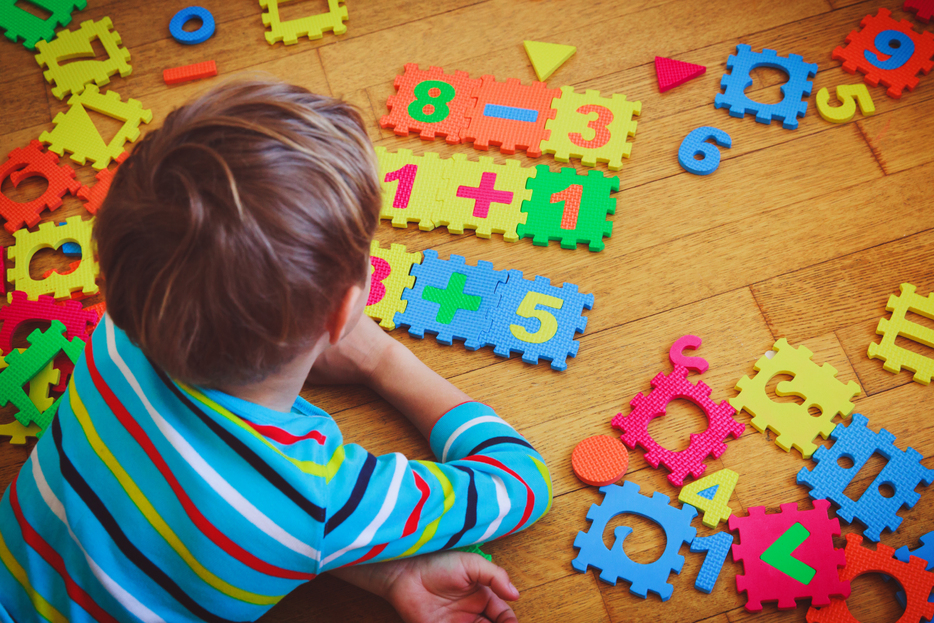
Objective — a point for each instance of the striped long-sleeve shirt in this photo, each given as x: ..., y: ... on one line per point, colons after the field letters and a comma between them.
x: 151, y: 500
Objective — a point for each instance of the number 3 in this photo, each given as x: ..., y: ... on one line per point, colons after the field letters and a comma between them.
x: 548, y: 323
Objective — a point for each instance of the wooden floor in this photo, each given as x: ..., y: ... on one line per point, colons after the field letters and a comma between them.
x: 800, y: 234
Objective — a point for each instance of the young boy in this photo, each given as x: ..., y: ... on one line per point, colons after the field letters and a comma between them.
x: 183, y: 478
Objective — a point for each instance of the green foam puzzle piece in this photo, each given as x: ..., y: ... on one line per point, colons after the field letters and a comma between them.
x: 20, y: 24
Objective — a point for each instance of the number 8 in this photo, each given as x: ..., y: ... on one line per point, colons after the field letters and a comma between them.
x: 548, y: 324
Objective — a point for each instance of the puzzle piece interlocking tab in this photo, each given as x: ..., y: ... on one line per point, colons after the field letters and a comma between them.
x: 898, y: 325
x: 69, y: 45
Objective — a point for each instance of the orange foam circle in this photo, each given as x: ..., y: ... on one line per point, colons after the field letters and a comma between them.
x: 600, y: 460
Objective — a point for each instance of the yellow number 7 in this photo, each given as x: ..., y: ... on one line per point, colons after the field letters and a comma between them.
x: 547, y: 320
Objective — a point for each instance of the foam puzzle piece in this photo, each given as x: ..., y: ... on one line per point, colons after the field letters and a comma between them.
x: 18, y: 433
x: 75, y: 131
x: 187, y: 73
x: 510, y: 134
x: 894, y: 356
x: 192, y: 37
x: 862, y: 54
x: 417, y: 89
x: 763, y: 582
x: 21, y: 367
x: 599, y: 460
x: 69, y: 45
x: 546, y: 58
x: 538, y: 320
x: 711, y: 495
x: 923, y: 9
x: 21, y: 24
x: 678, y: 358
x: 859, y: 560
x: 816, y: 385
x: 94, y: 195
x: 849, y: 95
x: 411, y: 186
x: 78, y: 322
x: 474, y: 549
x: 388, y: 279
x: 49, y: 235
x: 40, y: 384
x: 645, y: 408
x: 925, y: 551
x: 696, y: 144
x: 592, y: 128
x: 451, y: 299
x: 739, y: 79
x: 311, y: 26
x: 569, y: 207
x: 30, y: 161
x: 484, y: 196
x: 717, y: 547
x: 672, y: 73
x: 613, y: 563
x: 903, y: 472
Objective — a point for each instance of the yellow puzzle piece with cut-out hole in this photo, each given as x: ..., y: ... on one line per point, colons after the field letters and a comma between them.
x: 75, y: 131
x: 895, y: 356
x: 18, y: 433
x: 816, y: 385
x: 69, y: 45
x: 312, y: 26
x: 40, y: 384
x: 484, y: 196
x: 389, y: 277
x: 51, y: 236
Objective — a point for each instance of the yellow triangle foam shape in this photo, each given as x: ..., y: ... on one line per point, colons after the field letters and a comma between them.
x: 547, y: 57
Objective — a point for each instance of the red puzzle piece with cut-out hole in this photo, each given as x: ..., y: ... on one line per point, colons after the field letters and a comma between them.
x: 30, y: 161
x: 78, y: 322
x: 94, y: 195
x: 511, y: 133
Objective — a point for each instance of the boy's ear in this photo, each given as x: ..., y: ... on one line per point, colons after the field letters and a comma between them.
x: 346, y: 315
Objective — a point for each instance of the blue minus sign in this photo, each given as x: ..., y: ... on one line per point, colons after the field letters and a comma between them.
x: 510, y: 112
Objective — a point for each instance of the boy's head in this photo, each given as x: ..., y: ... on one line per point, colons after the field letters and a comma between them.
x: 231, y: 233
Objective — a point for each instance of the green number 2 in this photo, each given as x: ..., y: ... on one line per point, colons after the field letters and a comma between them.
x: 438, y: 103
x: 527, y: 309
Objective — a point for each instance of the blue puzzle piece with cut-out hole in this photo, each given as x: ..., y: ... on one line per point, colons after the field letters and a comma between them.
x: 903, y: 472
x: 529, y: 321
x: 717, y: 547
x: 739, y: 79
x: 614, y: 563
x: 445, y: 301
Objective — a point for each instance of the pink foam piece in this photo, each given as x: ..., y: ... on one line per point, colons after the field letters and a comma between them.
x: 678, y: 358
x: 672, y: 73
x: 484, y: 195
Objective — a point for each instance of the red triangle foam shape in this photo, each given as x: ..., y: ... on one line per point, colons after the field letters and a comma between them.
x: 671, y: 73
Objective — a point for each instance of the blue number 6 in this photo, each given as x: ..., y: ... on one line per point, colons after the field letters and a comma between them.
x: 897, y: 45
x: 695, y: 144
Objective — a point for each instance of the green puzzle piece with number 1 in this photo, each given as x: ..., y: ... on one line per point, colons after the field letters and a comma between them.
x: 75, y: 131
x: 23, y: 366
x: 817, y: 385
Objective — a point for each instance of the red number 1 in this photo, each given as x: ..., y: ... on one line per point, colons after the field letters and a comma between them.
x: 406, y: 178
x: 571, y: 196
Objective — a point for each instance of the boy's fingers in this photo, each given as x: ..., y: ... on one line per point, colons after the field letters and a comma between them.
x: 485, y: 572
x: 498, y: 611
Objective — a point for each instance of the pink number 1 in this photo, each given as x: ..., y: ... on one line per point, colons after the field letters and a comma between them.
x: 571, y: 196
x: 406, y: 178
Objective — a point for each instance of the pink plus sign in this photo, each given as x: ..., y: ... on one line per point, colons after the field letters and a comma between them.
x: 484, y: 195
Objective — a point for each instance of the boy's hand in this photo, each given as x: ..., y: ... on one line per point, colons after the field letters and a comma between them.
x: 354, y: 358
x: 451, y: 587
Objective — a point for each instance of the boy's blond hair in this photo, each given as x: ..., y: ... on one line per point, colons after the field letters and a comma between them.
x: 231, y: 233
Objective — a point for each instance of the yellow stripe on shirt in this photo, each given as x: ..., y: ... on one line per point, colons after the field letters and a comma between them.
x: 309, y: 467
x: 44, y: 608
x: 148, y: 510
x: 431, y: 528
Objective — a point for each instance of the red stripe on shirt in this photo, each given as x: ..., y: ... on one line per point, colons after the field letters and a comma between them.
x: 412, y: 522
x: 210, y: 530
x: 283, y: 436
x: 529, y: 495
x: 55, y: 560
x: 373, y: 553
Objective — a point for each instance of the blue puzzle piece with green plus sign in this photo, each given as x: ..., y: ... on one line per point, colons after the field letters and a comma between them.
x: 451, y: 299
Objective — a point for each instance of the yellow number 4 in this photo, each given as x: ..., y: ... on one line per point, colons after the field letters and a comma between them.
x: 548, y: 323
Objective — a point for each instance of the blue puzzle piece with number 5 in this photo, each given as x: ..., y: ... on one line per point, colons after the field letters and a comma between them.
x: 538, y: 320
x: 451, y: 299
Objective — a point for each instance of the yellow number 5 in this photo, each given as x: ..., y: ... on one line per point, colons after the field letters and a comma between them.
x: 547, y: 320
